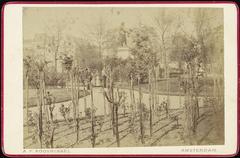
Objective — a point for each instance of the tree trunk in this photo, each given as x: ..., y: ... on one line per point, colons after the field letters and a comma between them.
x: 92, y: 117
x: 55, y: 61
x: 42, y: 97
x: 104, y: 104
x: 141, y: 111
x: 150, y: 100
x: 72, y: 96
x: 116, y: 125
x: 77, y: 106
x: 158, y: 84
x: 85, y: 99
x: 41, y: 100
x: 74, y: 91
x: 110, y: 108
x: 52, y: 137
x: 77, y: 95
x: 151, y: 126
x: 197, y: 107
x: 113, y: 118
x: 40, y: 128
x: 132, y: 102
x: 190, y: 111
x: 152, y: 83
x: 167, y: 77
x: 155, y: 89
x: 187, y: 119
x: 168, y: 100
x: 77, y: 126
x: 44, y: 94
x: 131, y: 94
x: 26, y: 101
x: 112, y: 104
x: 195, y: 113
x: 56, y: 51
x: 179, y: 92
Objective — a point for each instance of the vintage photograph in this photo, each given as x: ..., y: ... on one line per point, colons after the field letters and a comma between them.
x: 99, y: 77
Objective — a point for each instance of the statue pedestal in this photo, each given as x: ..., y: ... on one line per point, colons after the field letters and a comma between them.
x: 123, y: 52
x: 98, y: 83
x: 59, y: 66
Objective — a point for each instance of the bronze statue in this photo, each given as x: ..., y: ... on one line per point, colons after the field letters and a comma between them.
x: 123, y: 35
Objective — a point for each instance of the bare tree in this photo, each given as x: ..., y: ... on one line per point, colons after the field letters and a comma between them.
x: 117, y: 101
x: 97, y: 34
x: 110, y: 94
x: 75, y: 73
x: 163, y: 23
x: 140, y: 110
x: 27, y: 67
x: 40, y: 66
x: 56, y: 35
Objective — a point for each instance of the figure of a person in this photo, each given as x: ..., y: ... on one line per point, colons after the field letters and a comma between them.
x: 62, y: 111
x: 89, y: 78
x: 49, y: 100
x: 67, y: 112
x: 159, y: 109
x: 51, y: 108
x: 165, y: 106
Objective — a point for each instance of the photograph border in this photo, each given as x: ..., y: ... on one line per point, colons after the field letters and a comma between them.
x: 112, y: 2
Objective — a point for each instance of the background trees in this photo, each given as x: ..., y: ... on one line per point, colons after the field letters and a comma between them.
x: 86, y: 55
x: 144, y: 52
x: 196, y: 53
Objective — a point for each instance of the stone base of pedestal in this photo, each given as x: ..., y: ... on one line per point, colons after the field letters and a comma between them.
x: 96, y: 81
x: 123, y: 52
x: 59, y: 66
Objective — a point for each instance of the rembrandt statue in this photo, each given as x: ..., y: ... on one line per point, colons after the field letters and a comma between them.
x: 123, y: 35
x: 123, y: 50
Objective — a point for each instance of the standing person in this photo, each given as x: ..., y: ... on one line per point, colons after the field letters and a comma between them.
x: 89, y: 78
x: 62, y: 111
x: 51, y: 108
x: 50, y: 103
x: 165, y: 106
x: 65, y: 111
x: 48, y: 98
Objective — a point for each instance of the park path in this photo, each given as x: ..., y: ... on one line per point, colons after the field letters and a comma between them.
x: 99, y: 101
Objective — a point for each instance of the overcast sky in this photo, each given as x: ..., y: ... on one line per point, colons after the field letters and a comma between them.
x: 77, y: 20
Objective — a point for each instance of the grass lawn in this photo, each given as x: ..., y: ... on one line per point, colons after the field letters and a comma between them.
x: 61, y: 95
x: 174, y: 87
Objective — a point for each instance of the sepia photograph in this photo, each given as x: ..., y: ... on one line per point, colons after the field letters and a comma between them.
x: 99, y: 77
